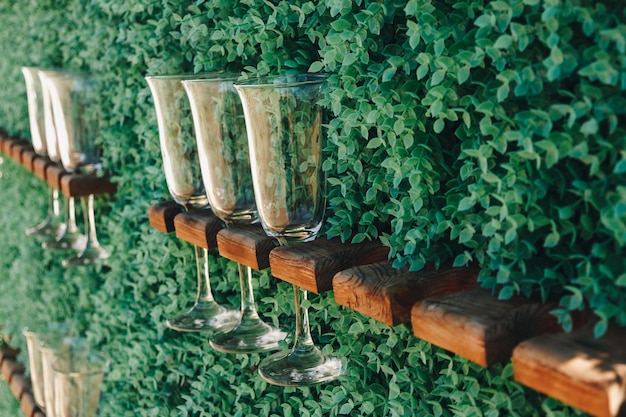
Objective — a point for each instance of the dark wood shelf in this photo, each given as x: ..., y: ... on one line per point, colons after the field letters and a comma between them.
x: 20, y: 385
x: 577, y: 369
x: 71, y: 185
x: 248, y: 245
x: 444, y: 307
x: 388, y: 294
x: 312, y: 265
x: 478, y: 326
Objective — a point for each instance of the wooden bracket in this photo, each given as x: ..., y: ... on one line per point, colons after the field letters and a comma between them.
x: 79, y: 185
x: 248, y: 245
x: 577, y: 369
x: 199, y: 227
x: 388, y: 294
x: 478, y: 326
x: 161, y: 215
x: 312, y: 265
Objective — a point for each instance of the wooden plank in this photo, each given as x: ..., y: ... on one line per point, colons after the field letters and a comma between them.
x: 312, y: 265
x: 20, y: 385
x: 478, y: 326
x: 7, y: 352
x: 199, y: 227
x: 161, y: 215
x: 18, y: 148
x: 577, y: 369
x: 6, y: 145
x: 11, y: 367
x: 388, y: 294
x: 28, y: 405
x: 40, y: 167
x: 28, y: 159
x: 54, y: 173
x: 248, y: 245
x: 78, y: 185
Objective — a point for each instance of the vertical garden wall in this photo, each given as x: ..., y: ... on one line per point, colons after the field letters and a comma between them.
x: 459, y: 131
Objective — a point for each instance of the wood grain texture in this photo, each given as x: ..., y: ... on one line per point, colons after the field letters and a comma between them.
x: 198, y: 227
x: 78, y: 185
x: 577, y: 369
x: 388, y: 294
x: 478, y: 326
x: 161, y: 215
x: 248, y: 245
x: 312, y: 265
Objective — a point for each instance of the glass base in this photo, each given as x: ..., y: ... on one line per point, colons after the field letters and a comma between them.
x: 301, y: 368
x: 47, y: 229
x: 251, y: 336
x: 68, y: 241
x: 205, y: 317
x: 88, y: 256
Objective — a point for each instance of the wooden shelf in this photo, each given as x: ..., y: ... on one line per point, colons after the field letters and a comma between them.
x: 248, y: 245
x: 388, y: 294
x: 161, y: 215
x: 20, y: 385
x: 312, y: 265
x: 478, y: 326
x: 444, y: 307
x: 199, y: 227
x: 79, y: 185
x: 71, y: 185
x: 577, y: 369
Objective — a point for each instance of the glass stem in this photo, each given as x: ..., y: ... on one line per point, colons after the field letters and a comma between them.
x: 303, y: 341
x: 70, y: 215
x: 204, y: 281
x: 90, y: 221
x: 248, y: 307
x: 54, y: 207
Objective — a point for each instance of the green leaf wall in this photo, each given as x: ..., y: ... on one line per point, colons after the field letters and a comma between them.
x: 460, y: 131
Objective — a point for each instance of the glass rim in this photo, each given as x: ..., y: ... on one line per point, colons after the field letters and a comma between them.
x: 220, y: 77
x: 185, y: 76
x: 90, y: 372
x: 269, y: 80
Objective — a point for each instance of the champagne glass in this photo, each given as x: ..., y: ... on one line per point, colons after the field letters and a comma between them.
x: 34, y: 340
x: 52, y: 226
x: 76, y: 117
x: 225, y: 165
x: 283, y: 121
x: 184, y: 181
x: 71, y: 238
x: 77, y: 378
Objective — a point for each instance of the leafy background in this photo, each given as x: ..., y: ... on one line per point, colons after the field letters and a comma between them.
x: 482, y: 131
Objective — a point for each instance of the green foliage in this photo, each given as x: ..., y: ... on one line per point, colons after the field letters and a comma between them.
x: 486, y: 131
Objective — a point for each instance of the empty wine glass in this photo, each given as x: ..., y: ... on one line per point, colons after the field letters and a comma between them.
x: 223, y: 151
x: 184, y: 181
x: 283, y: 121
x: 50, y: 346
x: 78, y: 375
x: 76, y: 116
x: 34, y: 339
x: 71, y: 238
x: 52, y: 226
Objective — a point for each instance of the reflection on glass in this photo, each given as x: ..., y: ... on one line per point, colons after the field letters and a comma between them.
x: 284, y: 126
x: 184, y: 181
x: 222, y: 146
